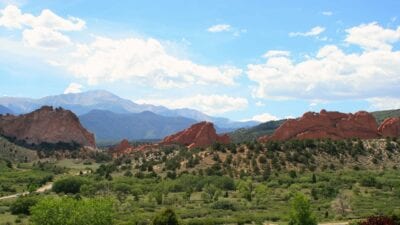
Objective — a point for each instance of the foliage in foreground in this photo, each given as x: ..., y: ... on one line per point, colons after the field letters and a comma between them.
x: 70, y: 211
x: 301, y: 211
x: 166, y: 217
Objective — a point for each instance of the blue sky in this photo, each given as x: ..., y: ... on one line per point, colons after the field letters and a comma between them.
x: 238, y: 59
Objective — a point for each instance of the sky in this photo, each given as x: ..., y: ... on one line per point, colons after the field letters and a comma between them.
x: 244, y: 60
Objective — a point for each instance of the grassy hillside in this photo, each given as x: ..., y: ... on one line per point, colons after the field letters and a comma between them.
x: 248, y: 183
x: 12, y: 152
x: 251, y: 134
x: 380, y: 116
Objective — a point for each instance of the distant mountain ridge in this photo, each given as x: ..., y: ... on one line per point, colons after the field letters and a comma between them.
x: 5, y: 110
x: 110, y: 126
x: 82, y: 103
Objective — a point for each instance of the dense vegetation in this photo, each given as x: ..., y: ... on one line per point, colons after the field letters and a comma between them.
x: 323, y: 180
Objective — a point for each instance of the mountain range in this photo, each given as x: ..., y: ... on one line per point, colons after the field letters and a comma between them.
x: 111, y: 117
x: 5, y: 110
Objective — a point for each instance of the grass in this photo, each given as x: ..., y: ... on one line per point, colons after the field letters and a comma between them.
x: 76, y: 165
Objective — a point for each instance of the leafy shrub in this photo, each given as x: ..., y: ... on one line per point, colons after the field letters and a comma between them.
x: 69, y: 211
x: 166, y: 217
x: 68, y: 185
x: 23, y: 204
x: 378, y: 220
x: 301, y: 211
x: 224, y: 205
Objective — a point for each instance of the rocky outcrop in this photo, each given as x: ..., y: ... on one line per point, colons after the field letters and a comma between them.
x: 390, y: 127
x: 201, y: 134
x: 122, y: 148
x: 46, y: 125
x: 333, y: 125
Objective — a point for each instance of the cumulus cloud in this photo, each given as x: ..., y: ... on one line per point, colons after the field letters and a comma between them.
x: 226, y: 28
x: 315, y: 31
x: 145, y: 61
x: 327, y: 13
x: 372, y: 36
x: 384, y: 103
x: 264, y: 117
x: 73, y: 88
x: 210, y: 104
x: 219, y: 28
x: 332, y: 74
x: 44, y: 30
x: 276, y: 53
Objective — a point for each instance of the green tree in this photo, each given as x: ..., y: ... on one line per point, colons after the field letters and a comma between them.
x: 166, y: 217
x: 69, y: 211
x: 23, y: 204
x: 300, y: 213
x: 68, y: 185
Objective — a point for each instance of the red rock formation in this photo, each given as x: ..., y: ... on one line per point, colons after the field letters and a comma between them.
x: 201, y: 134
x: 390, y: 127
x: 333, y: 125
x: 46, y: 125
x: 122, y: 148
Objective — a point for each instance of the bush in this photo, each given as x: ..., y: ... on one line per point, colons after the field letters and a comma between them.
x: 68, y: 185
x: 23, y: 204
x: 378, y: 220
x: 69, y: 211
x: 301, y: 211
x: 166, y: 217
x: 224, y: 205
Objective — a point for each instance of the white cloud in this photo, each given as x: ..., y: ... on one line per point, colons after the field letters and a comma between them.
x: 260, y: 104
x: 144, y: 61
x: 384, y: 103
x: 315, y: 31
x: 12, y: 17
x: 73, y: 88
x: 210, y: 104
x: 265, y: 117
x: 327, y: 13
x: 226, y: 28
x: 275, y: 53
x: 330, y: 75
x: 219, y: 28
x: 40, y: 31
x: 44, y: 38
x: 372, y: 36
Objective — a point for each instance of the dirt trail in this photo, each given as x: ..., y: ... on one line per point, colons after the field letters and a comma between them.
x: 43, y: 188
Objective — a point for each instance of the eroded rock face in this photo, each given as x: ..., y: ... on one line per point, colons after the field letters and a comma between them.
x: 122, y: 148
x: 46, y: 125
x: 201, y: 134
x: 333, y: 125
x: 390, y: 127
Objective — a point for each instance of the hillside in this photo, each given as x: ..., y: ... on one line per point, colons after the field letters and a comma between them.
x: 12, y: 152
x: 110, y: 126
x: 5, y: 110
x: 251, y: 134
x: 380, y: 116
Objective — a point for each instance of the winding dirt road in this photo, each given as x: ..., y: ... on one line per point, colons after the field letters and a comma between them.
x: 43, y: 188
